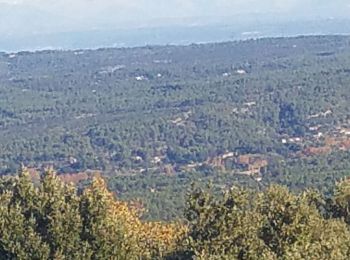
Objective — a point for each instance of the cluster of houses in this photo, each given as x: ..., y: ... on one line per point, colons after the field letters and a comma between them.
x: 318, y: 143
x: 321, y: 140
x: 248, y: 164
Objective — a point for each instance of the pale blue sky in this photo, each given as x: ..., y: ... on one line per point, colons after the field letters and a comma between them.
x: 20, y: 16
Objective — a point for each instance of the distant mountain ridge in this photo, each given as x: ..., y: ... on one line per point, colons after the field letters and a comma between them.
x: 171, y: 33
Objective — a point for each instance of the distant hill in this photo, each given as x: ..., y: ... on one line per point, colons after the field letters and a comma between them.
x: 169, y: 33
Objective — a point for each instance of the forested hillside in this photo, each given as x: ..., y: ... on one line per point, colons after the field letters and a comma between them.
x: 154, y: 119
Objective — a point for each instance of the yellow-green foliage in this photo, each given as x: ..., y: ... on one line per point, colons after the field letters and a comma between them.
x: 50, y: 221
x: 274, y: 224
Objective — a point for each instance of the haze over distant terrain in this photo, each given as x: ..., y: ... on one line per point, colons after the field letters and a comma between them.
x: 41, y: 24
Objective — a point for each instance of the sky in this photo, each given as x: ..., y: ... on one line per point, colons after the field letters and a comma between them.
x: 20, y: 16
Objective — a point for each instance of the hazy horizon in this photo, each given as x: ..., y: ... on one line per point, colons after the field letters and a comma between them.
x: 24, y: 20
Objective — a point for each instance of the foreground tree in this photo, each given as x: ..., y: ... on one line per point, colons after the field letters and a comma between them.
x: 274, y: 224
x: 50, y: 221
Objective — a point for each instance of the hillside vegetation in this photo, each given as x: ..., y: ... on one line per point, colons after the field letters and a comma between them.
x: 154, y: 119
x: 172, y: 109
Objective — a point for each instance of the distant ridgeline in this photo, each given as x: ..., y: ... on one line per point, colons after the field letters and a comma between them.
x: 252, y: 112
x: 52, y: 220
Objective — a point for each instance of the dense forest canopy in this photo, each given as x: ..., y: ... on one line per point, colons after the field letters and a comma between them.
x: 156, y: 118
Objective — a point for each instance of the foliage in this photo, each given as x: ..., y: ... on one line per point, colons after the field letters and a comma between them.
x: 102, y: 109
x: 163, y: 196
x: 143, y: 115
x: 50, y: 221
x: 273, y: 224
